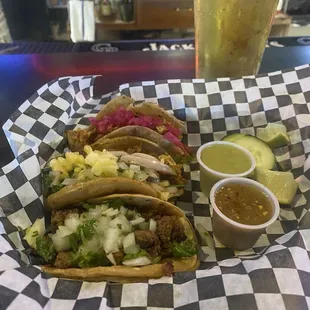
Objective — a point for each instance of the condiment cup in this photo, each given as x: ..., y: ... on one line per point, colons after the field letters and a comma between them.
x: 233, y: 234
x: 208, y: 176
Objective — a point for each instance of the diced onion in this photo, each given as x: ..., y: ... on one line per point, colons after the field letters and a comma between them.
x: 120, y: 241
x: 104, y: 207
x: 140, y: 261
x: 122, y: 165
x: 110, y: 239
x: 137, y: 221
x: 95, y: 212
x: 164, y: 183
x: 129, y: 241
x: 123, y: 210
x: 102, y: 224
x: 61, y: 243
x: 152, y: 173
x: 147, y: 163
x: 121, y: 221
x: 72, y: 221
x: 112, y: 212
x: 135, y: 168
x: 111, y: 258
x: 153, y: 225
x: 63, y: 231
x: 69, y: 181
x: 107, y: 211
x: 141, y: 176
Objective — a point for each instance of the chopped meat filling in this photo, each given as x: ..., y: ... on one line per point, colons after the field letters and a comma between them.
x: 59, y: 216
x: 148, y: 241
x: 119, y: 256
x: 77, y: 139
x: 169, y: 228
x: 64, y: 260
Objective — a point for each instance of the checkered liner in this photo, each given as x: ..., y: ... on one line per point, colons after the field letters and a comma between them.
x: 276, y: 271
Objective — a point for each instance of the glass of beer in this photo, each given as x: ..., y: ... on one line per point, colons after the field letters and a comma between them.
x: 231, y: 36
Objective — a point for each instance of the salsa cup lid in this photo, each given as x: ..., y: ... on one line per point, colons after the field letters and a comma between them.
x: 221, y: 174
x: 271, y: 197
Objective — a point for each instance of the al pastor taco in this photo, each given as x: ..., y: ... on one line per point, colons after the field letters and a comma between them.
x: 73, y: 177
x: 124, y: 117
x: 123, y: 238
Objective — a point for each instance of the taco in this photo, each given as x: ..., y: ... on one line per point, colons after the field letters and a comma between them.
x: 122, y: 238
x: 124, y: 117
x: 73, y: 177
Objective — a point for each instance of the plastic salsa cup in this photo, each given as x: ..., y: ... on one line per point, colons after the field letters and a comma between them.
x: 233, y: 234
x: 208, y: 176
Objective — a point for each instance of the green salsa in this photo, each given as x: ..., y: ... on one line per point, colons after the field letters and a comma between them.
x: 225, y: 159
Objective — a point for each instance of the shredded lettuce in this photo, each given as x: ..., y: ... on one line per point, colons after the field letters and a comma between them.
x: 45, y: 248
x: 186, y: 248
x: 91, y: 259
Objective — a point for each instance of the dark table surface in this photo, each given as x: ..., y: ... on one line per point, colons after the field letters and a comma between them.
x: 22, y: 75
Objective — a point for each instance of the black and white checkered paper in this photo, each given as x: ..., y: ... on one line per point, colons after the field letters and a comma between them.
x: 274, y: 274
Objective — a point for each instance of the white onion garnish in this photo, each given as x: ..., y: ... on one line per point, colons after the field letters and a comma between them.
x: 113, y: 212
x: 147, y: 163
x: 122, y: 165
x: 61, y: 243
x: 140, y: 261
x: 153, y: 225
x: 68, y: 181
x: 122, y: 223
x: 102, y: 224
x: 135, y: 168
x: 63, y: 231
x: 137, y: 221
x: 111, y: 258
x: 110, y: 239
x: 140, y: 176
x: 72, y: 221
x: 144, y: 226
x: 129, y: 241
x: 123, y: 210
x: 107, y: 211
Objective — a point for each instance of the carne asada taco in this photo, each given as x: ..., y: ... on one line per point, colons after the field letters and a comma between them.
x: 145, y: 120
x: 123, y: 238
x: 73, y: 177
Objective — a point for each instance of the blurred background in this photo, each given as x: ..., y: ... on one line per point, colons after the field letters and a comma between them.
x: 49, y: 21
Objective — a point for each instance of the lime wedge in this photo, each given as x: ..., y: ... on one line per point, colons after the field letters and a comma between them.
x: 274, y: 135
x: 282, y: 184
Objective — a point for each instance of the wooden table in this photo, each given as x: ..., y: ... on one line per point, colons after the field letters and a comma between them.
x: 21, y: 75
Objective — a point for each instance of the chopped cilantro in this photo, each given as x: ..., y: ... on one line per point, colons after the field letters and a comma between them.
x: 88, y: 206
x: 45, y: 248
x: 83, y: 233
x: 186, y: 248
x: 116, y: 203
x: 136, y: 255
x: 91, y: 259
